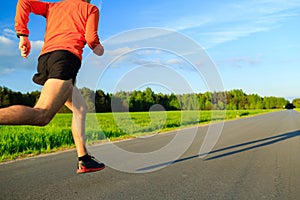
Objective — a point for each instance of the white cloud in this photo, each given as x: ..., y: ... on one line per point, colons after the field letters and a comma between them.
x: 136, y: 35
x: 118, y: 51
x: 9, y: 33
x: 6, y: 71
x: 242, y: 61
x: 36, y: 46
x: 221, y: 36
x: 174, y: 61
x: 10, y: 58
x: 232, y: 21
x: 7, y: 47
x: 149, y: 51
x: 5, y: 41
x: 188, y: 22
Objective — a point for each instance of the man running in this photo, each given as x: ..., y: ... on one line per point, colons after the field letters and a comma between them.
x: 70, y: 24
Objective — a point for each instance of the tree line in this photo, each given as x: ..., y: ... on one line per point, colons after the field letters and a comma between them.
x: 135, y: 101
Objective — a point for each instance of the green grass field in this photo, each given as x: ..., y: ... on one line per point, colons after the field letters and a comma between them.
x: 22, y: 141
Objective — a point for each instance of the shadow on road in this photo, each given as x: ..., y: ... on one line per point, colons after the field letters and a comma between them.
x: 255, y: 144
x: 267, y: 141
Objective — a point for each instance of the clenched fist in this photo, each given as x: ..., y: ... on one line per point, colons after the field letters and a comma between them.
x: 24, y: 46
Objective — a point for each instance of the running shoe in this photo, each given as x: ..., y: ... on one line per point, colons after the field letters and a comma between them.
x: 90, y: 166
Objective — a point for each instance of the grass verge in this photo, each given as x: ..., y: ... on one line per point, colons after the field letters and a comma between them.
x: 23, y: 141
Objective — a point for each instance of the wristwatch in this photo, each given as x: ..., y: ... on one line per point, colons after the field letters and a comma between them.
x: 20, y: 34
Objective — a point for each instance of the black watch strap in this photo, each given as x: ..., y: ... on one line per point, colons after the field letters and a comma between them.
x: 20, y: 34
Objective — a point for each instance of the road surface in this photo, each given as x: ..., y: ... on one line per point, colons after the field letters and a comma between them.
x: 255, y: 158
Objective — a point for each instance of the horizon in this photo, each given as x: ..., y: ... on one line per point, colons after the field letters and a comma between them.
x: 157, y: 93
x: 253, y: 45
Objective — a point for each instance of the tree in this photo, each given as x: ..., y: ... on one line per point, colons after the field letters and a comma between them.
x: 143, y: 100
x: 296, y: 103
x: 136, y: 101
x: 237, y: 99
x: 254, y: 102
x: 174, y: 104
x: 89, y: 97
x: 289, y: 106
x: 163, y: 100
x: 119, y: 102
x: 207, y: 101
x: 102, y: 102
x: 4, y: 97
x: 149, y: 98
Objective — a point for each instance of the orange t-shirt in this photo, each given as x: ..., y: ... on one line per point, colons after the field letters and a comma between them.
x: 70, y: 24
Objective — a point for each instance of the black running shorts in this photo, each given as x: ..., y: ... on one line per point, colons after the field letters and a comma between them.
x: 59, y: 64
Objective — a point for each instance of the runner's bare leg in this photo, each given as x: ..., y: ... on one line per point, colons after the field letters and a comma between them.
x: 53, y: 96
x: 77, y: 104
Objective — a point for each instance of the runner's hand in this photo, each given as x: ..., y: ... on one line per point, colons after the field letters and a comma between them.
x: 98, y: 50
x: 24, y: 46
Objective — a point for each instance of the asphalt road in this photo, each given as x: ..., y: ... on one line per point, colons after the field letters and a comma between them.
x: 255, y: 158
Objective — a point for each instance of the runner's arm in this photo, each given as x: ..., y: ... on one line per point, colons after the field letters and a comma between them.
x: 91, y: 32
x: 24, y: 7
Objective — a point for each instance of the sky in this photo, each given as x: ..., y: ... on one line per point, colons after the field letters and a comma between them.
x: 176, y: 46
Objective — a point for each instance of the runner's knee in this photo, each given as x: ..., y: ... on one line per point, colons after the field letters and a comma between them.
x: 81, y: 111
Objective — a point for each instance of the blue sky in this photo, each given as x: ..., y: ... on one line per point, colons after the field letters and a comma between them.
x: 254, y: 44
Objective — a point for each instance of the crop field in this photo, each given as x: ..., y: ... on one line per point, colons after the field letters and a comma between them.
x: 22, y: 141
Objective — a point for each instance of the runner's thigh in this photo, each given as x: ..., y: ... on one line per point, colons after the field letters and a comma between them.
x: 54, y: 95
